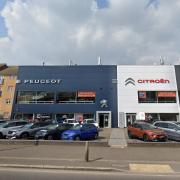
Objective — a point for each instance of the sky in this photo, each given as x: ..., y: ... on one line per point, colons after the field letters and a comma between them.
x: 121, y: 32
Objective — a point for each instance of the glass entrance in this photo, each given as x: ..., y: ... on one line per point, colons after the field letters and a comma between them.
x: 104, y: 120
x: 130, y: 118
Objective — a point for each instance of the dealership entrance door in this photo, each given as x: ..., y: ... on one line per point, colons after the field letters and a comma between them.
x: 130, y: 118
x: 103, y: 119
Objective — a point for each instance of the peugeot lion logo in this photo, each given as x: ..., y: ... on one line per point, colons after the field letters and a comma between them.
x: 129, y: 81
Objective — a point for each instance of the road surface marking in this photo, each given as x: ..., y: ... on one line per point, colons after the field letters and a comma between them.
x: 151, y: 168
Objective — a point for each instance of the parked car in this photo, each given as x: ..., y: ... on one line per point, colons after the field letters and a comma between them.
x: 91, y: 121
x: 146, y: 131
x: 59, y: 120
x: 10, y: 125
x: 53, y: 131
x: 81, y: 132
x: 71, y: 121
x: 171, y: 128
x: 3, y: 121
x: 27, y: 131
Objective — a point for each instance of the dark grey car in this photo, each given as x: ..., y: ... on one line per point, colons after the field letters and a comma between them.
x: 171, y: 128
x: 28, y: 131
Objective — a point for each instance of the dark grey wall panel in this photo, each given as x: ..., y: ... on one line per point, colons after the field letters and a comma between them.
x: 74, y: 78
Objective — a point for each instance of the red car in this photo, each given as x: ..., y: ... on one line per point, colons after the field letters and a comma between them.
x: 146, y: 131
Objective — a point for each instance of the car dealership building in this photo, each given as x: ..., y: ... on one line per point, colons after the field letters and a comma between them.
x: 149, y: 91
x: 74, y: 92
x: 114, y: 96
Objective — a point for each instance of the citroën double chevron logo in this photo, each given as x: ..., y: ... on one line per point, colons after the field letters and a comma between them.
x: 129, y: 81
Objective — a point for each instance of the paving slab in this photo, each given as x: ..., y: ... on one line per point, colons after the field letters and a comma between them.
x: 117, y: 138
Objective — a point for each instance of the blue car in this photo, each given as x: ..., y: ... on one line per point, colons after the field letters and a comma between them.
x: 81, y: 132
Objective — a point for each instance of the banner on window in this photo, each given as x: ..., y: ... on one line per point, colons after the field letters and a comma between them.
x: 86, y: 94
x: 166, y: 94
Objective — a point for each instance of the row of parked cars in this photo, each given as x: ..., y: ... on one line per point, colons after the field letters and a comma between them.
x: 51, y: 130
x: 158, y: 131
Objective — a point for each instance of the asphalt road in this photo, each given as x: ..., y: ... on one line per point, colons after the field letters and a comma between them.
x: 29, y: 174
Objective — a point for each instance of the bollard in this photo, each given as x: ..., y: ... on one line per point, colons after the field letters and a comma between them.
x: 36, y: 141
x: 86, y: 157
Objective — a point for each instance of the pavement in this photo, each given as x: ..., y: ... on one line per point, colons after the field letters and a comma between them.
x: 64, y: 157
x: 71, y: 156
x: 117, y: 138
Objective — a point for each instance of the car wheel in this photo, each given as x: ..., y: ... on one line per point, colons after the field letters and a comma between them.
x: 96, y: 136
x: 145, y: 138
x: 77, y: 138
x: 1, y: 136
x: 165, y: 139
x: 50, y: 137
x: 130, y: 135
x: 24, y: 136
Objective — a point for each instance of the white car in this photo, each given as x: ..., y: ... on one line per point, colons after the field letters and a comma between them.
x: 71, y: 121
x: 91, y: 121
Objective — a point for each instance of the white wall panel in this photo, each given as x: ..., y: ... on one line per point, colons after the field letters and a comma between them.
x: 128, y: 95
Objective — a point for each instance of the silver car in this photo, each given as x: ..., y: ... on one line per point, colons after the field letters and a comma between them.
x: 10, y: 125
x: 172, y: 129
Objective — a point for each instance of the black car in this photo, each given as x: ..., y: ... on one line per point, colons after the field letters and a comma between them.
x: 53, y: 131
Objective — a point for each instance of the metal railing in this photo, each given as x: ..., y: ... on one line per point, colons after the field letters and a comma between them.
x: 52, y: 102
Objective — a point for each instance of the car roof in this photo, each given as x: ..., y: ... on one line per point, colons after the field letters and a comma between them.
x: 140, y: 122
x: 16, y: 120
x: 165, y: 122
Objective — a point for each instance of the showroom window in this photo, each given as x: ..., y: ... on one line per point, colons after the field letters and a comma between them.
x: 65, y: 116
x: 88, y: 116
x: 86, y: 97
x: 166, y: 97
x: 147, y: 97
x: 157, y: 97
x: 66, y: 97
x: 76, y: 97
x: 32, y: 97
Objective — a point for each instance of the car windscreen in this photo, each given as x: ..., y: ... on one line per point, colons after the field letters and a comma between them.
x: 148, y: 126
x: 77, y: 127
x: 27, y: 126
x: 71, y: 121
x: 4, y: 124
x: 177, y: 123
x: 52, y: 126
x: 90, y: 121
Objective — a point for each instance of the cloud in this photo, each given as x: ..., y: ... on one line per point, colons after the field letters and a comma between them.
x: 154, y: 3
x: 124, y: 32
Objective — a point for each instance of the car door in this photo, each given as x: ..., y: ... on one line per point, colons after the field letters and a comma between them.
x: 20, y: 124
x: 8, y: 127
x: 59, y: 130
x: 34, y: 128
x: 85, y: 134
x: 163, y: 126
x: 140, y: 131
x: 136, y: 130
x: 91, y: 131
x: 173, y: 131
